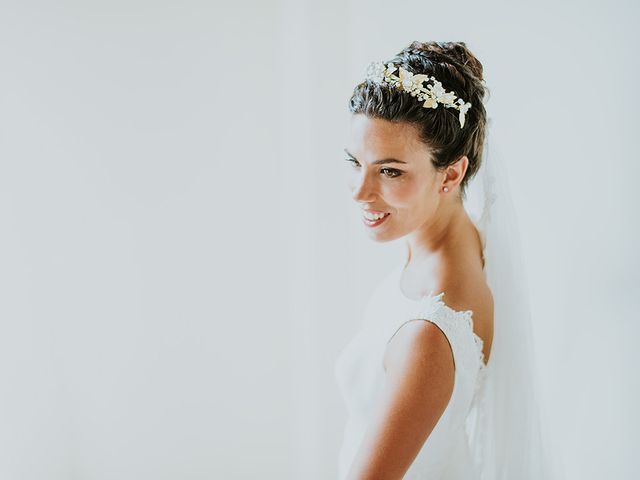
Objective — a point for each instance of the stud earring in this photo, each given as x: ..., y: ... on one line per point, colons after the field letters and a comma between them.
x: 446, y: 189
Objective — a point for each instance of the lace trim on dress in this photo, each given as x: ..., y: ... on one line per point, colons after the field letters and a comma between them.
x: 431, y: 303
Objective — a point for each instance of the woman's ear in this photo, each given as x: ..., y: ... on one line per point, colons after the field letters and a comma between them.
x: 454, y: 173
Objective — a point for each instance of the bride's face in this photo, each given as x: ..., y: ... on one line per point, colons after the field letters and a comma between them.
x: 391, y: 172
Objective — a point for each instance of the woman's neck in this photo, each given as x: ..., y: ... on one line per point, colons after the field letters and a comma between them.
x: 434, y: 240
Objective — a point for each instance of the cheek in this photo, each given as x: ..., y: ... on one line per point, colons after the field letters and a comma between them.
x: 405, y: 194
x: 413, y: 200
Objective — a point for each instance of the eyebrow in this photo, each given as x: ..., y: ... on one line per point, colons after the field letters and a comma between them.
x: 379, y: 162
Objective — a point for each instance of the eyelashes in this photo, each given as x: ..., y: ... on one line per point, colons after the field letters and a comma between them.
x: 393, y: 173
x: 390, y: 172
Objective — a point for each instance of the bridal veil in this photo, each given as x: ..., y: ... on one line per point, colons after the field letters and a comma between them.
x: 504, y: 425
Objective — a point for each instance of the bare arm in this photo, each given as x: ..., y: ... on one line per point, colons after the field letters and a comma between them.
x: 418, y: 386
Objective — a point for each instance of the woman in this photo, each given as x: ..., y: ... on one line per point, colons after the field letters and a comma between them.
x: 431, y: 393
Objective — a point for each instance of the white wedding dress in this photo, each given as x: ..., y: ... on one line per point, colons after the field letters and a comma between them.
x: 360, y: 377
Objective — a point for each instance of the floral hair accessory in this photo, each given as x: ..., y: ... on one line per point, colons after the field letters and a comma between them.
x: 411, y: 83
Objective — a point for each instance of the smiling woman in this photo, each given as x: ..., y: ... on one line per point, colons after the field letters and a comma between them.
x: 434, y: 399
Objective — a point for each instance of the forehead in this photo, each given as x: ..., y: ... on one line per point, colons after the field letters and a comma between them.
x: 379, y: 137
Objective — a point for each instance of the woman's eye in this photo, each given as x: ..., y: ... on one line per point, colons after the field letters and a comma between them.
x: 388, y: 172
x: 392, y: 172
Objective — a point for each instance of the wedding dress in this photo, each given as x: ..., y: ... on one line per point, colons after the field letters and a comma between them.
x: 360, y: 375
x: 491, y: 428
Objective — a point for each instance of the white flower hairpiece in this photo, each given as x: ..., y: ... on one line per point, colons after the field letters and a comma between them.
x: 412, y: 84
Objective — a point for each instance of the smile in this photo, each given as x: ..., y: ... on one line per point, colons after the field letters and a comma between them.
x: 374, y: 220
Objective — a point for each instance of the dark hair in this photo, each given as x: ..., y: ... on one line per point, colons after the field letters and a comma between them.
x: 452, y: 64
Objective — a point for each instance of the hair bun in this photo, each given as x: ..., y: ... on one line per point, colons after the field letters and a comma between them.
x: 455, y: 53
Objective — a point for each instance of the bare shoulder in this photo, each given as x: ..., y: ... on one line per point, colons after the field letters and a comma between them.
x: 416, y: 342
x: 419, y: 383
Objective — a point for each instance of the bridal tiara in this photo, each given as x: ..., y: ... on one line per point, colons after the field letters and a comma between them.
x: 412, y: 83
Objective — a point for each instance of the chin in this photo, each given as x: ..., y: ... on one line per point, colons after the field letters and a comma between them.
x: 383, y: 236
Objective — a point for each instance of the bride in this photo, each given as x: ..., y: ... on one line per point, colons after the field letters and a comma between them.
x: 439, y: 381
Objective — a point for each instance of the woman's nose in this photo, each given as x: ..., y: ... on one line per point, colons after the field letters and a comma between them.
x: 362, y: 190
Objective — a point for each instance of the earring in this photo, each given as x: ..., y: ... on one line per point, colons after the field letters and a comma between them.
x: 446, y: 189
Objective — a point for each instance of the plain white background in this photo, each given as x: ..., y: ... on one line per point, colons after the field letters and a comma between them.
x: 180, y: 259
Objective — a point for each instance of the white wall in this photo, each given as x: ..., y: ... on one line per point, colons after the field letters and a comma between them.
x: 180, y: 258
x: 143, y: 320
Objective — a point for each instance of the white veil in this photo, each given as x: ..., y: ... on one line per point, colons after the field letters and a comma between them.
x: 504, y: 425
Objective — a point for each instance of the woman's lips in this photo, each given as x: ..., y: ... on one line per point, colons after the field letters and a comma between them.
x: 374, y: 223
